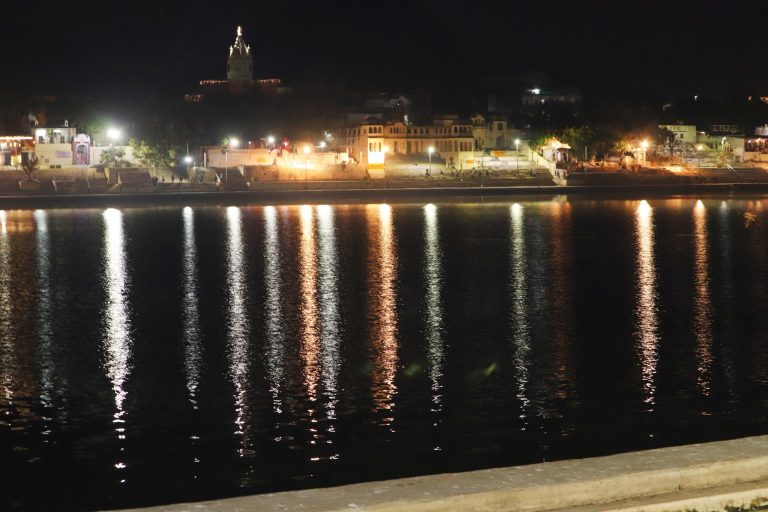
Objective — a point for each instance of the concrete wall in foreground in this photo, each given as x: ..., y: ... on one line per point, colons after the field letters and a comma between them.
x: 667, y: 472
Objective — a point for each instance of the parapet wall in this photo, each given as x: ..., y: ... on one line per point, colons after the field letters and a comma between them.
x: 694, y: 469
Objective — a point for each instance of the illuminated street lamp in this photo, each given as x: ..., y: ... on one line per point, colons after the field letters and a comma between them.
x: 306, y: 164
x: 230, y: 142
x: 322, y: 145
x: 517, y: 158
x: 188, y: 160
x: 384, y: 162
x: 699, y: 147
x: 271, y: 141
x: 113, y: 134
x: 430, y: 150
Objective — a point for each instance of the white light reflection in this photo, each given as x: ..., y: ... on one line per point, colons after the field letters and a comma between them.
x: 329, y: 307
x: 238, y: 328
x: 117, y: 336
x: 44, y: 311
x: 703, y: 307
x: 310, y: 335
x: 191, y: 313
x: 382, y: 272
x: 273, y: 306
x: 646, y: 314
x: 433, y: 302
x: 7, y: 351
x: 521, y: 334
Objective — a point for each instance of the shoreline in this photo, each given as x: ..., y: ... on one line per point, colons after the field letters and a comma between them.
x: 719, y: 475
x: 283, y: 196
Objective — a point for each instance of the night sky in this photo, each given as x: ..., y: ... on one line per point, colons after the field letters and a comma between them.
x: 149, y: 49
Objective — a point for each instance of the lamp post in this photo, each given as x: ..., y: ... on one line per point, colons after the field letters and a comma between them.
x: 306, y: 164
x: 699, y: 147
x: 430, y: 150
x: 517, y: 157
x: 233, y: 142
x: 271, y: 141
x: 188, y: 160
x: 384, y: 163
x: 644, y: 145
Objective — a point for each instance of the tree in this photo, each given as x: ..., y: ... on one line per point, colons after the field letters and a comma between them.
x: 30, y: 167
x: 540, y: 139
x: 114, y: 157
x: 153, y: 154
x: 666, y: 138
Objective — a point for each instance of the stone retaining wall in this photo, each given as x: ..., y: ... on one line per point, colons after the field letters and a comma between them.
x: 547, y: 486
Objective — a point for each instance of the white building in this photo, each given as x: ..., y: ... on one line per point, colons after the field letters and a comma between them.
x: 54, y: 146
x: 684, y: 133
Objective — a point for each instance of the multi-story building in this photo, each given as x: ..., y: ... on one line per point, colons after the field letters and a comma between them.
x: 54, y: 145
x: 368, y: 143
x: 492, y: 132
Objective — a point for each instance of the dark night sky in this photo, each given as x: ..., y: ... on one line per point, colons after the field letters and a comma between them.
x: 145, y: 49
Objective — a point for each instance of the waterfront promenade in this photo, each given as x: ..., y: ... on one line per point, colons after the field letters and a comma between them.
x: 81, y: 189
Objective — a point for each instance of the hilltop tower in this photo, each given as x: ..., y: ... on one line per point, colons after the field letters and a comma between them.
x: 240, y: 61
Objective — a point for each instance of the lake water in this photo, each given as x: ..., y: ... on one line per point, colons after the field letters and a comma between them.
x: 156, y: 355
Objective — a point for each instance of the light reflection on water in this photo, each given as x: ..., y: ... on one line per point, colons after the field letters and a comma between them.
x: 521, y: 335
x: 646, y: 310
x: 117, y: 327
x: 7, y: 349
x: 192, y: 342
x: 562, y: 304
x: 703, y: 307
x: 238, y: 327
x: 321, y: 313
x: 48, y: 384
x: 273, y: 309
x: 310, y: 335
x: 329, y: 307
x: 725, y: 304
x: 382, y: 303
x: 433, y: 301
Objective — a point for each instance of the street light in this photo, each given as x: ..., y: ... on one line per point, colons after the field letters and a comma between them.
x: 306, y: 164
x: 517, y: 158
x: 699, y: 147
x: 430, y: 150
x: 384, y: 162
x: 188, y: 160
x: 113, y: 134
x: 322, y: 145
x: 233, y: 142
x: 271, y: 141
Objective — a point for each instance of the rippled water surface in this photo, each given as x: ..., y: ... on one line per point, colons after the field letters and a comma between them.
x: 154, y: 355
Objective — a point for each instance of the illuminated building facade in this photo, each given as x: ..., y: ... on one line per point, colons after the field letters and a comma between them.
x: 454, y: 141
x: 14, y: 149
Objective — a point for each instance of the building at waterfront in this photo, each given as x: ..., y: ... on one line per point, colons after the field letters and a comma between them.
x: 14, y: 149
x: 454, y: 142
x: 55, y: 145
